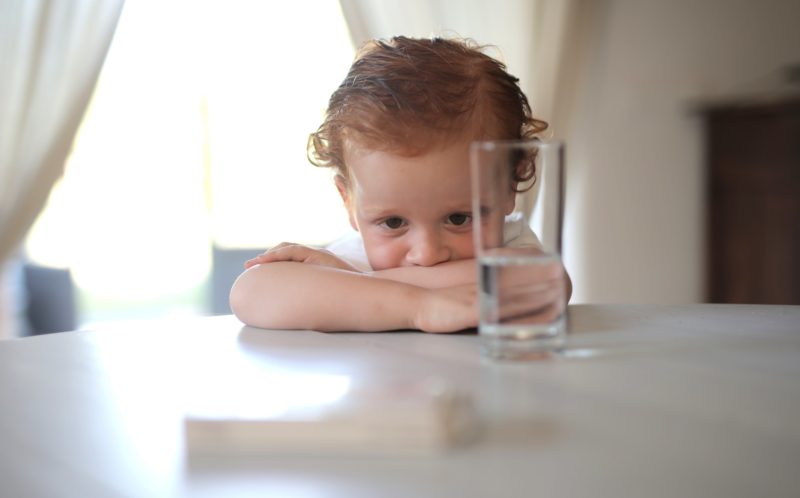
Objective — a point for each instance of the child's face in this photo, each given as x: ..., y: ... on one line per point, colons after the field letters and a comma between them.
x: 410, y: 210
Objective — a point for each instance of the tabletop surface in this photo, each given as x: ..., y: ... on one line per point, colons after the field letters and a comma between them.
x: 685, y: 400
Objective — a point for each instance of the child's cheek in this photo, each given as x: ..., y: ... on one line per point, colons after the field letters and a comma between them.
x: 385, y: 255
x: 465, y: 248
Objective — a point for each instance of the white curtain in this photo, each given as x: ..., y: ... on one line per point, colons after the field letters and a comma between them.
x: 50, y: 57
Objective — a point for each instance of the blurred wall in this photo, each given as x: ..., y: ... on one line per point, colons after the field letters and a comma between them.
x: 636, y: 187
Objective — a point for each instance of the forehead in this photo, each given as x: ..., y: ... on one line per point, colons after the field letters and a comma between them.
x: 439, y: 176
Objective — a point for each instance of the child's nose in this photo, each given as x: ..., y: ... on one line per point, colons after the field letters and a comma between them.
x: 428, y: 249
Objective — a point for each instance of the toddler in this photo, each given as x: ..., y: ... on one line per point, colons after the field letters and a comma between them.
x: 397, y: 133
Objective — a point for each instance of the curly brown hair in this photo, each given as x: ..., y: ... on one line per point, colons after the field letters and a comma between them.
x: 406, y: 95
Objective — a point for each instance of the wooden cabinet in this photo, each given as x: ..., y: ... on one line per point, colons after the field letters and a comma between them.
x: 753, y: 196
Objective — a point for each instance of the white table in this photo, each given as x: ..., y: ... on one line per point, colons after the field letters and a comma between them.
x: 689, y: 401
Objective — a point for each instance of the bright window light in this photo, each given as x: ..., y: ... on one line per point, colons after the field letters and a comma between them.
x: 196, y: 135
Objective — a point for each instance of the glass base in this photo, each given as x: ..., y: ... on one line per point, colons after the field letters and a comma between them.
x: 523, y: 342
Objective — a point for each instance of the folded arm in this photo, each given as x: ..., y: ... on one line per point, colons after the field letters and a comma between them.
x: 446, y: 274
x: 433, y: 277
x: 297, y: 287
x: 294, y: 295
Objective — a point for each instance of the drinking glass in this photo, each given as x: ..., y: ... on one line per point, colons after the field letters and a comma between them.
x: 517, y: 207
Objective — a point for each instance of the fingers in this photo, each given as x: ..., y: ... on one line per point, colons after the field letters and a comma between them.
x: 254, y: 261
x: 266, y: 257
x: 285, y: 251
x: 536, y: 303
x: 527, y: 293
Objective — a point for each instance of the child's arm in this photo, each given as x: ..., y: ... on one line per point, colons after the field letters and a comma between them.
x: 294, y: 295
x: 426, y: 298
x: 442, y: 275
x: 447, y: 274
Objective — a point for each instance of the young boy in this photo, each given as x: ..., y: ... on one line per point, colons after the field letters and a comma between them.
x: 397, y: 133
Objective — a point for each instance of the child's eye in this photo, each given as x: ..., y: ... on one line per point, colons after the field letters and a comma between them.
x: 459, y: 219
x: 393, y: 223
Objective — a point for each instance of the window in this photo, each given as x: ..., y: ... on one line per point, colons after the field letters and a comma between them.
x: 195, y: 137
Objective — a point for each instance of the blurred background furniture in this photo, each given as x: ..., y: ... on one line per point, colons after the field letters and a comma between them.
x: 753, y: 211
x: 228, y: 264
x: 49, y: 300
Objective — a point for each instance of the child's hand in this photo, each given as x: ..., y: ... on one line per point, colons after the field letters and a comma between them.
x: 287, y: 251
x: 448, y: 309
x: 532, y: 294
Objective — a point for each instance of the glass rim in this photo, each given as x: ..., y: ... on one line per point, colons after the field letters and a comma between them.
x: 490, y: 145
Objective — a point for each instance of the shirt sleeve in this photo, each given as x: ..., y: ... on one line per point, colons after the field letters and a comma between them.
x: 350, y: 248
x: 517, y: 233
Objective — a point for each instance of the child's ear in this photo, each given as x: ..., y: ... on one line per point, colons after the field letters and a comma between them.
x: 341, y: 186
x: 344, y: 192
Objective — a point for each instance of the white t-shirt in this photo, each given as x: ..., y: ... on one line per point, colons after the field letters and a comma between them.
x: 350, y: 248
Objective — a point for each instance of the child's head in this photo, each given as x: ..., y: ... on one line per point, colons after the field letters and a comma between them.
x: 397, y: 134
x: 407, y: 95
